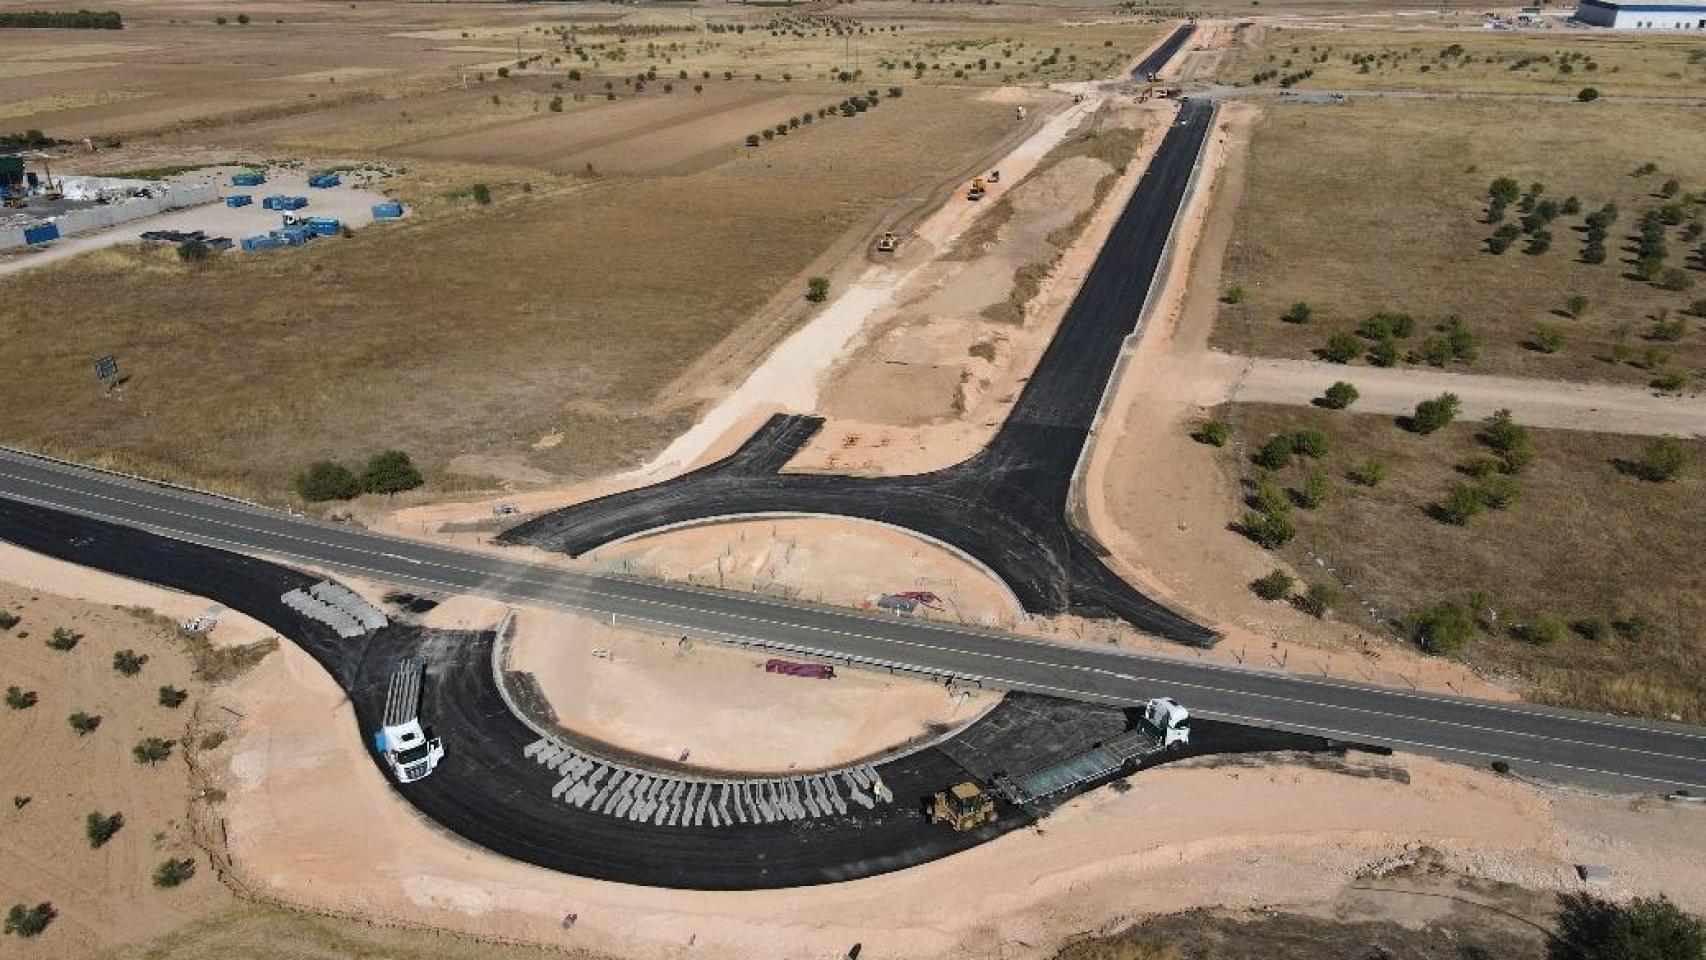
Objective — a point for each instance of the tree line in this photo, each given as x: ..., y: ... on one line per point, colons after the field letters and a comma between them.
x: 63, y: 19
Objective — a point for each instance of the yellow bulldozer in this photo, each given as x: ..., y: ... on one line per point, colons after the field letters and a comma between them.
x: 963, y: 806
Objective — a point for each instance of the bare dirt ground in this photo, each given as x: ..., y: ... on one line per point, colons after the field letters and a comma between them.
x: 715, y: 708
x: 104, y: 897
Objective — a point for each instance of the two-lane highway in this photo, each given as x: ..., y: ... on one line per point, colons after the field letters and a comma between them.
x: 1596, y: 750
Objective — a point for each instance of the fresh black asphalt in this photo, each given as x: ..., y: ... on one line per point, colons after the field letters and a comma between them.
x: 1006, y: 507
x: 1162, y: 55
x: 487, y: 792
x: 1602, y: 751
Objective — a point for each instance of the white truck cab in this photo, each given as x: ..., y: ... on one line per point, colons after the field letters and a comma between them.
x: 1167, y: 722
x: 401, y: 740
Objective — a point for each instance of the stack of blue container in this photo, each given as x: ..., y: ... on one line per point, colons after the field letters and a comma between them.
x: 281, y: 202
x: 262, y: 242
x: 251, y: 178
x: 295, y: 236
x: 324, y: 180
x: 323, y: 226
x: 239, y: 200
x: 389, y: 210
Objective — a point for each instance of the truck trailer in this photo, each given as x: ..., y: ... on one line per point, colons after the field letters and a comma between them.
x: 402, y: 741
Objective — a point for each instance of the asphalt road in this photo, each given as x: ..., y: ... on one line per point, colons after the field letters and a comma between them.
x: 1159, y: 57
x: 1005, y: 507
x: 488, y: 791
x: 1596, y: 750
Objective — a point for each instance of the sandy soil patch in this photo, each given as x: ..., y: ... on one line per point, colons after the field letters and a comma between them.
x: 715, y: 708
x: 104, y: 897
x: 820, y: 559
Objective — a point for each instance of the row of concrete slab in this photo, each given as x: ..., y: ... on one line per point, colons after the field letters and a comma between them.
x: 337, y: 607
x: 600, y: 786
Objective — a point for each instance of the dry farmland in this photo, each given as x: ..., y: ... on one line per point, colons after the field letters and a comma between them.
x: 1583, y: 541
x: 1551, y: 62
x: 1380, y: 205
x: 469, y: 329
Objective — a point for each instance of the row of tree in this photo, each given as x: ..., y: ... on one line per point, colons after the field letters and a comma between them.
x: 63, y: 19
x: 388, y: 472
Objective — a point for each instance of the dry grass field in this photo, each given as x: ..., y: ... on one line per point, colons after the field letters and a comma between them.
x: 1583, y: 541
x: 1379, y: 206
x: 465, y: 330
x: 1554, y: 62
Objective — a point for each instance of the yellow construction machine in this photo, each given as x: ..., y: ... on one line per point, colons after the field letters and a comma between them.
x: 887, y: 243
x: 977, y: 189
x: 963, y: 806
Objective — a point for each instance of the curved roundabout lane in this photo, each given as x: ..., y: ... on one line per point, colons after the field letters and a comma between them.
x: 489, y: 790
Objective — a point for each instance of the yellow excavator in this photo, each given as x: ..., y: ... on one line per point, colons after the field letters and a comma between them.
x: 977, y: 189
x: 963, y: 806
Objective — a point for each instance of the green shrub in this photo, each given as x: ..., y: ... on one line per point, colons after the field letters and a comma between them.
x: 1661, y: 460
x: 1215, y: 433
x: 1309, y: 443
x: 84, y: 723
x: 1547, y: 338
x: 1671, y: 382
x: 100, y: 829
x: 1497, y: 492
x: 1370, y: 474
x: 1274, y: 586
x: 817, y: 289
x: 174, y: 872
x: 1591, y: 628
x: 1479, y: 467
x: 325, y: 480
x: 1460, y: 504
x: 1441, y: 629
x: 1339, y: 396
x: 20, y: 699
x: 1233, y: 295
x: 1341, y: 348
x: 1575, y: 305
x: 1590, y: 928
x: 1318, y: 599
x: 481, y: 193
x: 1269, y: 530
x: 390, y: 472
x: 29, y: 921
x: 64, y: 639
x: 171, y: 697
x: 128, y: 662
x: 1275, y: 454
x: 1435, y: 414
x: 1384, y: 353
x: 151, y: 750
x: 1315, y: 491
x: 1587, y: 94
x: 1299, y: 313
x: 8, y: 620
x: 1541, y: 631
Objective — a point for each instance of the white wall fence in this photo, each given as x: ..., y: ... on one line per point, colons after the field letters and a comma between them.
x: 171, y: 197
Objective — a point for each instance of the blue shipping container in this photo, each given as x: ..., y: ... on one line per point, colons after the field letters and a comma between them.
x: 252, y: 244
x: 386, y: 211
x: 274, y: 202
x: 323, y: 226
x: 323, y: 180
x: 41, y: 233
x: 292, y: 203
x: 250, y: 179
x: 239, y: 200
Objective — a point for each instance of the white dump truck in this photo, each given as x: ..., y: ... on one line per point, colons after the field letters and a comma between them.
x: 402, y: 741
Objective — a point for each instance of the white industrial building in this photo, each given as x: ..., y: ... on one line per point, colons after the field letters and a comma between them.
x: 1642, y: 16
